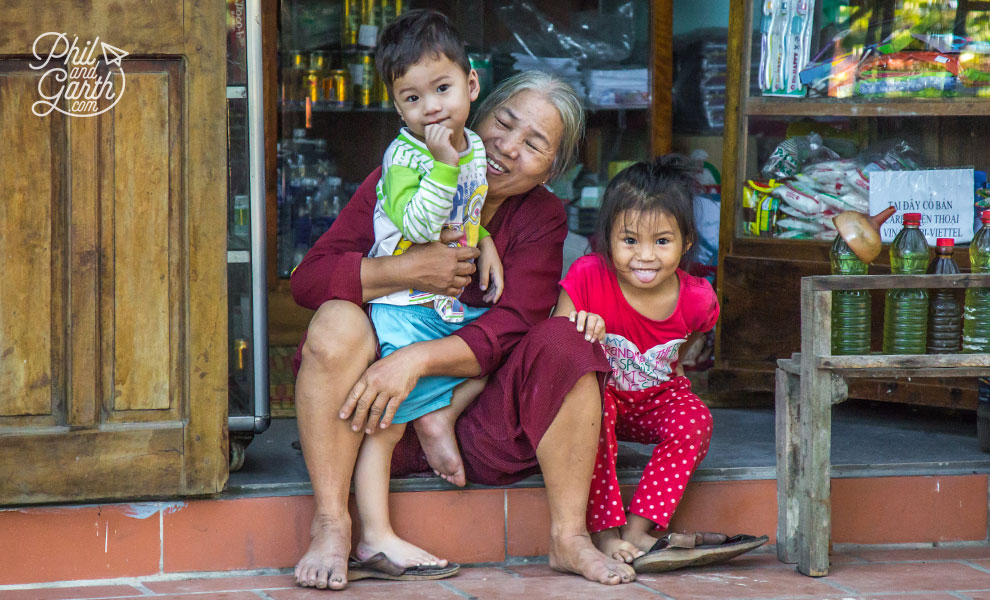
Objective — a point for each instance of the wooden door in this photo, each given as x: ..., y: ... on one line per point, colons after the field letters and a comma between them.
x: 113, y: 364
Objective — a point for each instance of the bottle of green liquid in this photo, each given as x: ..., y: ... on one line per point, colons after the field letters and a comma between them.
x: 850, y: 308
x: 944, y: 312
x: 905, y: 314
x: 976, y: 315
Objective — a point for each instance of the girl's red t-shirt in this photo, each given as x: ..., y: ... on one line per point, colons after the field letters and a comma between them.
x: 641, y: 351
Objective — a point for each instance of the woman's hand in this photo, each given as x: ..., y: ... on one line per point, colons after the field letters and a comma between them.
x: 490, y: 271
x: 438, y: 269
x: 378, y: 393
x: 591, y: 324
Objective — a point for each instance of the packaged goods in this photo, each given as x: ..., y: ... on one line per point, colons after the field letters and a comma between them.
x: 799, y: 196
x: 790, y: 156
x: 785, y: 34
x: 926, y: 74
x: 759, y: 208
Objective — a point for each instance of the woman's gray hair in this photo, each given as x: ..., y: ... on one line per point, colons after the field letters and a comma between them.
x: 560, y: 94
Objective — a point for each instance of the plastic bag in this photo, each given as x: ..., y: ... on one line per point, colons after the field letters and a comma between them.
x: 792, y: 154
x: 596, y: 41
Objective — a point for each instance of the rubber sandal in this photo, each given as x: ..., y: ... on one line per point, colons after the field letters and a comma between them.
x: 380, y: 567
x: 676, y: 551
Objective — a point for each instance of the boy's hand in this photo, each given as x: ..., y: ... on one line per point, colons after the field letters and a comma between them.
x: 439, y: 144
x: 591, y: 324
x: 490, y: 271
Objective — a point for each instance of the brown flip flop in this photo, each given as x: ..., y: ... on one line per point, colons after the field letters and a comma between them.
x: 676, y: 550
x: 380, y: 567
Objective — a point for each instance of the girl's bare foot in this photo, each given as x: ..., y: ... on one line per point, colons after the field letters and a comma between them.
x: 398, y: 551
x: 325, y: 563
x: 636, y: 532
x: 576, y: 554
x: 436, y: 434
x: 611, y: 544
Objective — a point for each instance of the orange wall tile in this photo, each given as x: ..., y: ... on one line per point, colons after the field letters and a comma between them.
x: 528, y: 530
x: 466, y: 526
x: 887, y: 510
x: 730, y: 507
x: 246, y: 533
x: 78, y: 542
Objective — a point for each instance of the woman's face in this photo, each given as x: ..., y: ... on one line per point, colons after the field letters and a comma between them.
x: 521, y: 139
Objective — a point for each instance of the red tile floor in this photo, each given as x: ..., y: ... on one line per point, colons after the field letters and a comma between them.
x: 959, y: 572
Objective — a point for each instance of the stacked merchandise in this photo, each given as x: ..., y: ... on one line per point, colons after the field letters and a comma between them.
x: 565, y: 68
x: 618, y: 87
x: 808, y: 184
x: 785, y: 39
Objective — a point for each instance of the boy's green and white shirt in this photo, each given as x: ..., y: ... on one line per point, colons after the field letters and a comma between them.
x: 417, y: 196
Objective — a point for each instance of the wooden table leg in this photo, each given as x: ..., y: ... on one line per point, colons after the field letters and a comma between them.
x: 788, y: 446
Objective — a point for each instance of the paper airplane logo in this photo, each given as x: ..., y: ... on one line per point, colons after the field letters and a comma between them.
x: 109, y: 51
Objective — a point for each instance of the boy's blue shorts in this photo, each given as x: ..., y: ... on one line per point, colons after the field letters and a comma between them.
x: 398, y: 326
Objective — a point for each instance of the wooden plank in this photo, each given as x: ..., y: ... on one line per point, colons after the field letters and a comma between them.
x: 912, y: 373
x: 661, y: 76
x: 153, y: 459
x: 906, y: 362
x: 884, y: 282
x: 83, y: 409
x: 141, y: 244
x: 127, y: 24
x: 865, y: 107
x: 27, y: 224
x: 787, y: 427
x: 813, y: 478
x: 205, y: 264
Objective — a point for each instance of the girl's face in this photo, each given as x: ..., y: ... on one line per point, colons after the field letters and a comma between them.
x: 646, y: 249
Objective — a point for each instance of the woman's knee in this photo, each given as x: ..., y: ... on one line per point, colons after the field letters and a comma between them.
x: 339, y: 330
x: 562, y: 347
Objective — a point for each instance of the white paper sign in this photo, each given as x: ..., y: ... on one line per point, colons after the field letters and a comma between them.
x: 944, y: 197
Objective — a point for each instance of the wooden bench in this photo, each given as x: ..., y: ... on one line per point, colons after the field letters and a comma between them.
x: 809, y: 383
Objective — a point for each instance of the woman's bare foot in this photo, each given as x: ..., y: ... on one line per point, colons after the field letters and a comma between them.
x: 325, y: 562
x: 576, y: 554
x: 436, y: 435
x: 398, y: 550
x: 611, y: 544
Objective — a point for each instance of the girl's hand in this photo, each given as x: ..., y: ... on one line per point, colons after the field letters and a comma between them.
x: 591, y: 324
x: 490, y: 270
x: 380, y: 390
x: 439, y: 144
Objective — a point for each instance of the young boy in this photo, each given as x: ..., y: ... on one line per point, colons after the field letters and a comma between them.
x: 433, y: 177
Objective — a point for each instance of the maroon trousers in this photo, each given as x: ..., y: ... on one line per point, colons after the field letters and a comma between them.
x: 499, y: 432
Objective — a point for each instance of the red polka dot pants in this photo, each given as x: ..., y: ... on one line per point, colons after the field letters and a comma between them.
x: 670, y: 416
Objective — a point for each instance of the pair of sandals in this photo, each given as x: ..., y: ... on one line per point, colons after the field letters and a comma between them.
x: 672, y: 551
x: 678, y: 550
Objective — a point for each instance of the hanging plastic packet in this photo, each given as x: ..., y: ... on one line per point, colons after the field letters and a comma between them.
x: 790, y: 156
x: 759, y: 208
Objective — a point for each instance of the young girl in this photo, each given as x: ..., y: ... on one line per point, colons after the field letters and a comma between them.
x: 632, y: 297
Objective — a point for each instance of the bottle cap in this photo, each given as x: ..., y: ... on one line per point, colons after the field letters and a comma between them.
x: 985, y: 217
x: 912, y: 218
x: 945, y: 242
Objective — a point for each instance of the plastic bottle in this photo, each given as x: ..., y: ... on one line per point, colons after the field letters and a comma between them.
x: 976, y: 315
x: 944, y: 312
x: 850, y: 308
x: 905, y: 315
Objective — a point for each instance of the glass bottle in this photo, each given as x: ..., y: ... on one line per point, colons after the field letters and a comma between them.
x: 944, y: 312
x: 850, y: 308
x: 905, y: 315
x: 976, y: 314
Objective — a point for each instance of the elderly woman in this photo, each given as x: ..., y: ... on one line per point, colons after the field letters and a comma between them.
x: 540, y: 409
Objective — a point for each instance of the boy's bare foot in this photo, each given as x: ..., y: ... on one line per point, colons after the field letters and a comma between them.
x: 399, y: 551
x: 436, y: 435
x: 610, y: 543
x: 325, y: 562
x: 576, y: 554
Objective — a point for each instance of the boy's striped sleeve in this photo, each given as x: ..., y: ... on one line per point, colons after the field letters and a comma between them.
x: 418, y: 207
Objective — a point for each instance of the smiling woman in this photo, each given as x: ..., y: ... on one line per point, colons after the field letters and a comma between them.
x: 539, y: 395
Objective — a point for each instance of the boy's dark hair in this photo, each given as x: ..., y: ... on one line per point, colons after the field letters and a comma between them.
x: 415, y: 34
x: 666, y: 185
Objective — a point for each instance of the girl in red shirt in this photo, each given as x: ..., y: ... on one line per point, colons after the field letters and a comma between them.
x: 633, y: 297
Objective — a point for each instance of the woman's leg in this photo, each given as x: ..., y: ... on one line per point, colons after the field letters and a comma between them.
x: 681, y: 426
x: 542, y: 409
x: 371, y: 476
x: 340, y: 344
